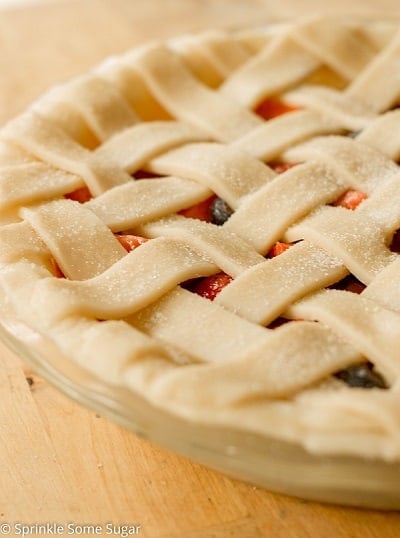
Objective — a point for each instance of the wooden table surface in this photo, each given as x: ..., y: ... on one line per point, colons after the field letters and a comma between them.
x: 62, y: 463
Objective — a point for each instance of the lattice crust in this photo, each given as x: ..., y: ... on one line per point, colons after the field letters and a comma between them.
x: 184, y: 111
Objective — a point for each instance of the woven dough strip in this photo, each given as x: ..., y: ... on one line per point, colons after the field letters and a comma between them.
x: 188, y: 112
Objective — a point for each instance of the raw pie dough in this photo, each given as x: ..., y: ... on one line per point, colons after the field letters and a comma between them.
x: 184, y: 111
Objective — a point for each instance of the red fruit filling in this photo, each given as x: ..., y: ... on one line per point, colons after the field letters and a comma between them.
x: 350, y: 199
x: 280, y: 167
x: 56, y: 269
x: 210, y: 286
x: 80, y: 195
x: 277, y: 248
x: 272, y: 107
x: 130, y: 242
x: 201, y: 211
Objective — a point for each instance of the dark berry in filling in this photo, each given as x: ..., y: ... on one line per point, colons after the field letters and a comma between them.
x: 143, y: 174
x: 278, y: 322
x: 362, y: 376
x: 354, y: 134
x: 349, y: 283
x: 220, y: 211
x: 395, y: 245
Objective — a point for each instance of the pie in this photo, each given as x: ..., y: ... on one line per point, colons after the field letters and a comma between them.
x: 212, y: 223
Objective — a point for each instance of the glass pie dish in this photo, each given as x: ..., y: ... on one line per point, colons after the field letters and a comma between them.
x: 266, y: 462
x: 200, y: 240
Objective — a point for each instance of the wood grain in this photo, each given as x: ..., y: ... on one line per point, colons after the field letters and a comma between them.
x: 61, y: 462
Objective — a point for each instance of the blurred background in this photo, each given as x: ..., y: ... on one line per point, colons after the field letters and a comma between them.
x: 60, y: 38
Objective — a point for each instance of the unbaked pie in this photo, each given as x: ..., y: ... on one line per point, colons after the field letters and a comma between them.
x: 212, y: 223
